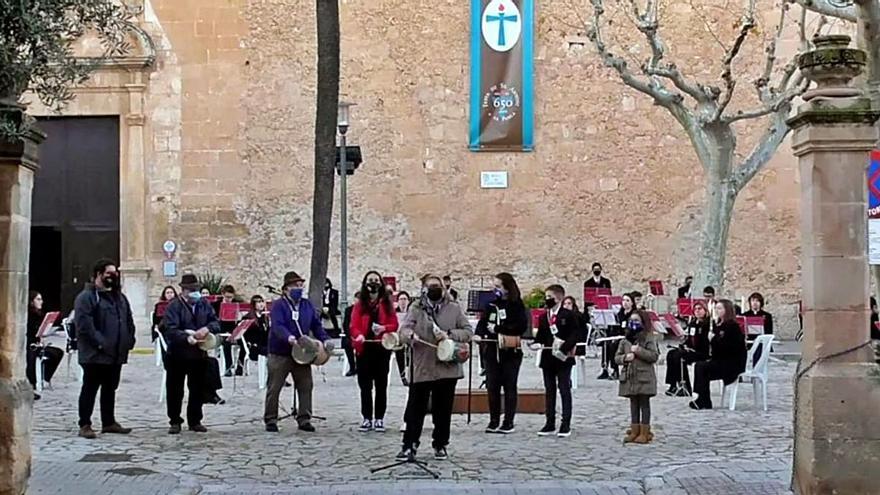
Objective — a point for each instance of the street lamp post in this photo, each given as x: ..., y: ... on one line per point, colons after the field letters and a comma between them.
x: 342, y: 122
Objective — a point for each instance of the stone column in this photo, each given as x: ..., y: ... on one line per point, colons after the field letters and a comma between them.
x: 837, y: 387
x: 18, y: 161
x: 133, y: 208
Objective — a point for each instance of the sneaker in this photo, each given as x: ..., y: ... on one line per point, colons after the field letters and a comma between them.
x: 547, y: 430
x: 440, y: 454
x: 115, y: 428
x: 506, y: 429
x: 493, y: 427
x: 198, y: 428
x: 87, y: 432
x: 379, y: 425
x: 174, y: 430
x: 603, y: 375
x: 366, y: 425
x: 272, y: 428
x: 351, y: 373
x: 564, y: 430
x: 307, y: 427
x: 406, y: 454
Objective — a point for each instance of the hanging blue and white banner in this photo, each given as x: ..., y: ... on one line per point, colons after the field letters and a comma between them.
x: 501, y: 106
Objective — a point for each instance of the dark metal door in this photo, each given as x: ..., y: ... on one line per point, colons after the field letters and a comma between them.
x: 75, y: 205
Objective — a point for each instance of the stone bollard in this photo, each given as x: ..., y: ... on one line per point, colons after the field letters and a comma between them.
x: 18, y: 161
x: 837, y: 386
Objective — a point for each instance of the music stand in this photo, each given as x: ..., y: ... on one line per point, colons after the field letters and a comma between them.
x: 681, y: 388
x: 410, y: 459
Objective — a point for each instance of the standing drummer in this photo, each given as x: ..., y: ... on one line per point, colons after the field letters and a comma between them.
x: 432, y: 319
x: 505, y: 316
x: 293, y: 318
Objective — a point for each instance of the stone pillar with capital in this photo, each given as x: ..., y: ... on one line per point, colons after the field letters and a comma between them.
x: 18, y: 161
x: 837, y: 386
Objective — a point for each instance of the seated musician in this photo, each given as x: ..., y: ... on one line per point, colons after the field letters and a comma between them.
x: 728, y: 355
x: 694, y: 348
x: 169, y: 293
x: 51, y: 355
x: 257, y: 336
x: 756, y: 308
x: 227, y: 294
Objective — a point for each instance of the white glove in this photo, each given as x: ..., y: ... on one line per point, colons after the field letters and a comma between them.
x: 559, y: 355
x: 291, y: 340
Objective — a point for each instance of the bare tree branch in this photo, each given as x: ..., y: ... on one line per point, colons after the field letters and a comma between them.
x: 778, y: 102
x: 747, y: 24
x: 828, y: 7
x: 763, y: 151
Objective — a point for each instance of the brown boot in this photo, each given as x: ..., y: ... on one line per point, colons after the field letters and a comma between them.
x: 632, y: 433
x: 115, y: 428
x: 87, y: 432
x: 645, y: 435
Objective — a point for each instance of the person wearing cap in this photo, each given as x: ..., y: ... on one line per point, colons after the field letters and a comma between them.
x: 189, y: 319
x: 293, y: 317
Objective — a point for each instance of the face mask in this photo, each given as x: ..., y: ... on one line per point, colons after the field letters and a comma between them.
x: 111, y: 282
x: 550, y: 302
x: 296, y: 293
x: 597, y: 272
x: 434, y: 294
x: 373, y: 287
x: 635, y: 325
x: 498, y: 293
x: 195, y: 296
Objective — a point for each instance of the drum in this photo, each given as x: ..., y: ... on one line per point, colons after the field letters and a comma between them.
x: 509, y: 341
x: 391, y: 341
x: 211, y: 342
x: 557, y: 345
x: 305, y: 350
x: 450, y: 351
x: 323, y: 356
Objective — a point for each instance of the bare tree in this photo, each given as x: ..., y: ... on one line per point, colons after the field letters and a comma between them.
x: 702, y: 111
x: 327, y: 13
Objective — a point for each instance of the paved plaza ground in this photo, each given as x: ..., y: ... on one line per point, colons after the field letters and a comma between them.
x: 695, y: 452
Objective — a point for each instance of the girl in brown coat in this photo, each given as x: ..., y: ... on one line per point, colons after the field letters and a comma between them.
x: 636, y: 355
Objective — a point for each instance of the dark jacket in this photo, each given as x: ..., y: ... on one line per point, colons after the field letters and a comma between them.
x: 283, y: 327
x: 104, y: 326
x: 768, y: 322
x: 638, y: 377
x: 699, y: 341
x: 331, y: 302
x: 181, y: 316
x: 683, y: 291
x: 728, y: 349
x: 515, y: 319
x: 346, y: 321
x: 603, y: 283
x: 566, y: 329
x: 34, y: 319
x: 875, y: 332
x: 258, y: 334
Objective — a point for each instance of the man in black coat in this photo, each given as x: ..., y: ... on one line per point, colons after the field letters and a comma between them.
x: 558, y: 327
x: 105, y: 334
x: 330, y: 309
x: 597, y: 281
x: 188, y: 320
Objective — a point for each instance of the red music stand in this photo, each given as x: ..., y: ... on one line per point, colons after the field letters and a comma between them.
x: 244, y: 307
x: 741, y: 321
x: 536, y: 317
x: 239, y: 330
x: 602, y: 302
x: 656, y: 287
x: 48, y: 320
x: 392, y: 281
x: 674, y: 324
x: 615, y: 301
x: 228, y: 311
x: 754, y: 325
x: 212, y: 298
x: 591, y: 293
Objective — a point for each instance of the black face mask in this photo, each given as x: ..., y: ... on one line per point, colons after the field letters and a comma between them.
x: 373, y: 287
x: 435, y: 294
x: 111, y: 282
x: 597, y: 272
x: 550, y: 302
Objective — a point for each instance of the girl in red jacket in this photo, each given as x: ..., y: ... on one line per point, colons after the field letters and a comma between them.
x: 373, y: 316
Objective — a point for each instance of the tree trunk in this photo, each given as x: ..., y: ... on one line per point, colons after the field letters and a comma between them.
x: 327, y: 14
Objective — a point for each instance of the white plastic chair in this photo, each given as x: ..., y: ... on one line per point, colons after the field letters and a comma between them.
x: 262, y: 371
x: 161, y: 347
x: 759, y: 374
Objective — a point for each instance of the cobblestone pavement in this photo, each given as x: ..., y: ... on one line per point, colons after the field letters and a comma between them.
x: 695, y: 452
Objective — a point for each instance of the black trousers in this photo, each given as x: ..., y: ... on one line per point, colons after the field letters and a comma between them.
x: 557, y: 376
x: 704, y: 373
x: 503, y: 374
x: 400, y: 357
x: 349, y: 353
x: 373, y: 371
x: 194, y: 372
x: 52, y: 357
x: 677, y: 361
x: 442, y: 394
x: 106, y: 378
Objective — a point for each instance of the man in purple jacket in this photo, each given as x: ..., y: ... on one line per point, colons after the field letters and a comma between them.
x: 293, y: 317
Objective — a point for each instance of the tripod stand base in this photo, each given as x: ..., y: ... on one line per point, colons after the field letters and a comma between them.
x: 419, y: 464
x: 681, y: 390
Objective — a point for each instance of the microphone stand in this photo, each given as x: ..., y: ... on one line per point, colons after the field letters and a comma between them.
x: 410, y: 459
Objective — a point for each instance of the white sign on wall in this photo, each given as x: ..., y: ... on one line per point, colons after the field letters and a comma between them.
x: 874, y: 241
x: 493, y: 180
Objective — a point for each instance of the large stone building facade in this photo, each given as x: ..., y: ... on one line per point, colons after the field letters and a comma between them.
x: 216, y: 116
